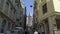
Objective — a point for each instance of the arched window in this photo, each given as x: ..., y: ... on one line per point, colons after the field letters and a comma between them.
x: 3, y: 26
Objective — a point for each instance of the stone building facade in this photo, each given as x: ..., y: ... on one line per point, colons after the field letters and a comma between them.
x: 23, y: 16
x: 9, y: 15
x: 48, y: 16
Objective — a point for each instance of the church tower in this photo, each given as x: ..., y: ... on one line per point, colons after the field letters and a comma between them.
x: 29, y: 20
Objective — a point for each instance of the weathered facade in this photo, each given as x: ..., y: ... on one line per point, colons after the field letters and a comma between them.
x: 35, y: 14
x: 9, y: 15
x: 48, y: 16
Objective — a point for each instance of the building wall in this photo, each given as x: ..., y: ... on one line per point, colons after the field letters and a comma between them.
x: 23, y: 16
x: 9, y: 15
x: 50, y: 8
x: 56, y: 5
x: 36, y: 13
x: 51, y: 14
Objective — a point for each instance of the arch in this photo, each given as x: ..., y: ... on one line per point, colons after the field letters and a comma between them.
x: 3, y: 26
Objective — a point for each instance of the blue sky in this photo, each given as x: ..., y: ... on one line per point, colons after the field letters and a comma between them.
x: 27, y: 4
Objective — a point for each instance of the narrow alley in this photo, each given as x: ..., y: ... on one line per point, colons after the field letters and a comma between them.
x: 29, y: 16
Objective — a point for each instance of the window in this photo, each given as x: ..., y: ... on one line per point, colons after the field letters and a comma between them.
x: 7, y: 3
x: 58, y: 23
x: 16, y: 1
x: 44, y: 8
x: 17, y: 19
x: 6, y: 8
x: 20, y: 23
x: 1, y: 3
x: 11, y: 11
x: 17, y: 5
x: 9, y: 24
x: 11, y: 7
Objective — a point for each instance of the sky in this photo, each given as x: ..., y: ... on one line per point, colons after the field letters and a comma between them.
x: 29, y: 9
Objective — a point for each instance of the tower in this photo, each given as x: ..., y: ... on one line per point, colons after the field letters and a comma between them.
x: 29, y: 20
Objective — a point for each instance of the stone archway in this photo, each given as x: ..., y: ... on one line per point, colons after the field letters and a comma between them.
x: 3, y: 26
